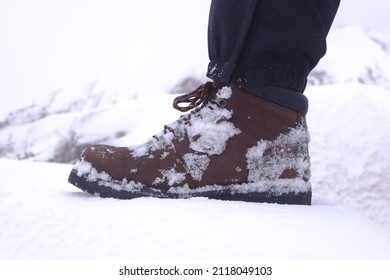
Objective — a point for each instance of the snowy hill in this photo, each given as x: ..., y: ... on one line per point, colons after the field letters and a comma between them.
x: 43, y: 217
x: 354, y: 55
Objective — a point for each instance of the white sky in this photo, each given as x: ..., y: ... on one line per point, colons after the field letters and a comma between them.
x: 373, y: 14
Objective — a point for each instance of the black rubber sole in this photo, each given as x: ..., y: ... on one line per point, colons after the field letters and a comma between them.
x: 301, y: 198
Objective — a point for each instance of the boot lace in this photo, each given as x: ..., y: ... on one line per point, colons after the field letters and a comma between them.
x: 199, y: 97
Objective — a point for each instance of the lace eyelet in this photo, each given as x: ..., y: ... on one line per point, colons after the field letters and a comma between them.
x: 221, y: 102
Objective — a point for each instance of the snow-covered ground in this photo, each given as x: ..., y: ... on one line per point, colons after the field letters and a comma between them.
x: 123, y: 99
x: 43, y: 217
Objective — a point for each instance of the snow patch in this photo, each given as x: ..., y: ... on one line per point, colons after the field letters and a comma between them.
x: 160, y: 141
x: 85, y: 169
x: 225, y: 93
x: 207, y: 129
x: 210, y: 130
x: 196, y: 165
x: 274, y: 186
x: 288, y: 151
x: 164, y: 155
x: 171, y: 176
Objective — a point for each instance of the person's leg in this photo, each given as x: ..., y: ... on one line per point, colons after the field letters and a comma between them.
x: 267, y: 42
x: 229, y: 24
x: 234, y: 146
x: 269, y: 47
x: 285, y: 42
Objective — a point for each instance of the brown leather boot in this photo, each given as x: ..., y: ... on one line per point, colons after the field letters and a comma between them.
x: 234, y: 146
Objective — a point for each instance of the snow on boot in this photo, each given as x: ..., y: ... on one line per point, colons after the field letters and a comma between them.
x: 233, y: 146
